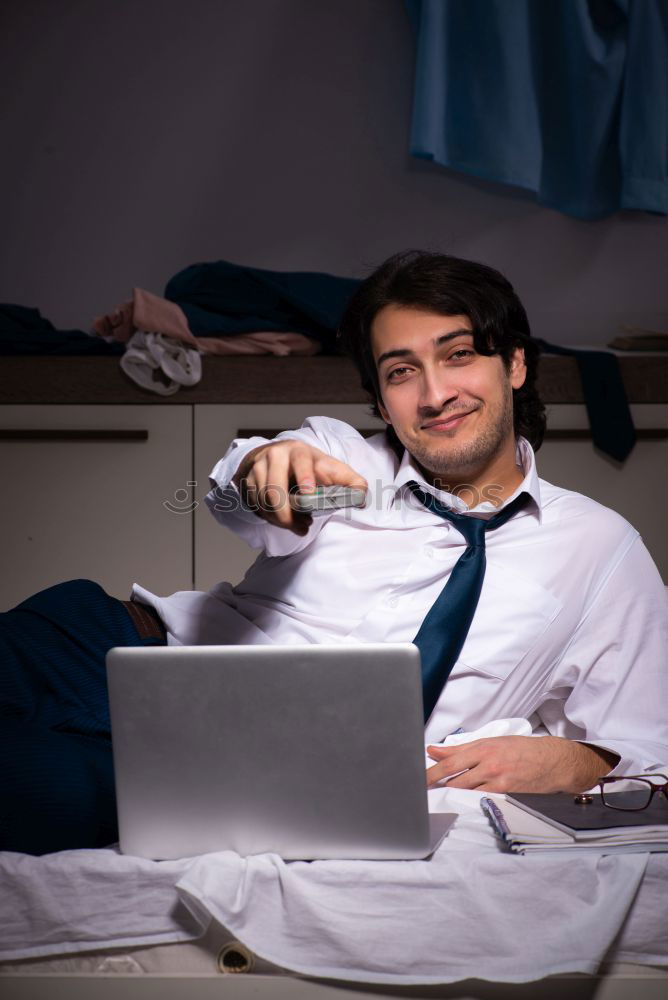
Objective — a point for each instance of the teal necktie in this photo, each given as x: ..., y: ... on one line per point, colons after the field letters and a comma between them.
x: 444, y: 630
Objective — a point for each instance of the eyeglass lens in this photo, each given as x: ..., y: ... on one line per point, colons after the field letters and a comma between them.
x: 636, y: 795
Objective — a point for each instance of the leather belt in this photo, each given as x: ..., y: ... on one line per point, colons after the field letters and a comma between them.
x: 146, y: 620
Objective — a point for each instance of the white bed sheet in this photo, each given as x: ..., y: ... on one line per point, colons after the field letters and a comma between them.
x: 470, y: 911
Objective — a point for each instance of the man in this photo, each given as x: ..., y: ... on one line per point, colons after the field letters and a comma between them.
x: 444, y: 349
x: 568, y: 626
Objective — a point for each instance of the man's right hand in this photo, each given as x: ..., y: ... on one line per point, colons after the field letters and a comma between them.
x: 268, y: 474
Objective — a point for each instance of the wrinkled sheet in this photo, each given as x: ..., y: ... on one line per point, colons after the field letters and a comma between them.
x: 89, y: 899
x: 470, y: 910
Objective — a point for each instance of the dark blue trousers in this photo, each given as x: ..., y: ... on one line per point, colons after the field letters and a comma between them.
x: 56, y: 770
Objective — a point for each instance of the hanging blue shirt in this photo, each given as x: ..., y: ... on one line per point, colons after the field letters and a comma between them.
x: 567, y: 99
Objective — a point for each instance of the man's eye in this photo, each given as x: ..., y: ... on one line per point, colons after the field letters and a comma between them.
x: 461, y: 355
x: 399, y: 372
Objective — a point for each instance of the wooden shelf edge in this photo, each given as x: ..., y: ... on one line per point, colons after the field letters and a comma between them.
x: 85, y: 380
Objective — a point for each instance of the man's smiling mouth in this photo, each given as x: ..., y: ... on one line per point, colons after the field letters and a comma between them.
x: 446, y: 423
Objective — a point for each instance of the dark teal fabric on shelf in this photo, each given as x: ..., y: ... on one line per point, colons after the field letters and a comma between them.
x: 57, y: 777
x: 24, y: 331
x: 564, y: 98
x: 221, y: 298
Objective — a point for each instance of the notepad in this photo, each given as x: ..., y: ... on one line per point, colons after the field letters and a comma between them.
x: 528, y: 823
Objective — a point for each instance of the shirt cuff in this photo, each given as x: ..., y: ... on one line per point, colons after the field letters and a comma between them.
x: 224, y: 500
x: 634, y: 758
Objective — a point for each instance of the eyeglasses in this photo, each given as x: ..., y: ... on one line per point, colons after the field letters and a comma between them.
x: 638, y: 792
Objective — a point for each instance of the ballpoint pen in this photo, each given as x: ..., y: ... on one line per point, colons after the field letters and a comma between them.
x: 494, y: 814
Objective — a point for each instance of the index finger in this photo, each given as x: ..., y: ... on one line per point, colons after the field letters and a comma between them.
x: 332, y: 472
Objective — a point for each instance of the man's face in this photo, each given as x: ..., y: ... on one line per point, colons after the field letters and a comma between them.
x: 450, y: 407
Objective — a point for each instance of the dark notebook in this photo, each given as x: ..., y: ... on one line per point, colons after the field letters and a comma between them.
x: 562, y: 810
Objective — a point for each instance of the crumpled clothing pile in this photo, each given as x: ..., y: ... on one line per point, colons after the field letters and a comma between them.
x: 161, y: 352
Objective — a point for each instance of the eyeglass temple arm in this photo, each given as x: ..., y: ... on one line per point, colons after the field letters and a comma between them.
x: 632, y: 777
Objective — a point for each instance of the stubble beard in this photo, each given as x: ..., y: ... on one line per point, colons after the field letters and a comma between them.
x: 455, y: 463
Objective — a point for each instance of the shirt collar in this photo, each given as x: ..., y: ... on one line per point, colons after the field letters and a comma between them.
x: 525, y: 459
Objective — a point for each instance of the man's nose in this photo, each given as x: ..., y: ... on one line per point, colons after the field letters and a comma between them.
x: 436, y: 391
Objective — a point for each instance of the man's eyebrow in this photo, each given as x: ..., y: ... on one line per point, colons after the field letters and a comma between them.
x: 406, y: 352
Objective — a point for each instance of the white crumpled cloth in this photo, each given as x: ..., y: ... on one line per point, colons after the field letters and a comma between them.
x: 160, y: 363
x: 471, y: 910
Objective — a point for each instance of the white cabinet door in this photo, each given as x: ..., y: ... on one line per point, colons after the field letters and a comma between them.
x: 220, y: 555
x: 636, y: 489
x: 86, y: 492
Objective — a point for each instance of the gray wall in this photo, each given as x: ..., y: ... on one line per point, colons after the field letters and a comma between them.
x: 141, y: 136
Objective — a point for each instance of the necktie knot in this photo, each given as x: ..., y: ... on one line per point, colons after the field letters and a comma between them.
x: 471, y: 527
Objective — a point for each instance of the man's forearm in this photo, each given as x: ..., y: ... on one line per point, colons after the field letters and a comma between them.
x: 594, y: 763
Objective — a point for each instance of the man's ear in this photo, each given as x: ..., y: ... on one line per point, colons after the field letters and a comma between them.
x: 518, y: 368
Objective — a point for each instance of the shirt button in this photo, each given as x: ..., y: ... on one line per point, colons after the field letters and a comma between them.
x: 392, y: 602
x: 429, y: 552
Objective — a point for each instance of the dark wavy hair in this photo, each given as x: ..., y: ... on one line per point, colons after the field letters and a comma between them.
x: 449, y: 286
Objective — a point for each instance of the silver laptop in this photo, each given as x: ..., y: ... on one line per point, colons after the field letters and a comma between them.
x: 306, y: 751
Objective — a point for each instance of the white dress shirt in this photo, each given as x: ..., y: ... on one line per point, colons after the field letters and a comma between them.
x: 570, y: 631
